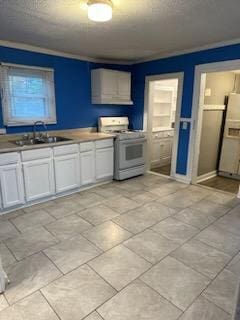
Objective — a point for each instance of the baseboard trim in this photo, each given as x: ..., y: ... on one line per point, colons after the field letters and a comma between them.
x: 207, y: 176
x: 176, y: 177
x: 229, y: 175
x: 181, y: 178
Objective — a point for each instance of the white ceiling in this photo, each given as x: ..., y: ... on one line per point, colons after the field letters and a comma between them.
x: 140, y: 29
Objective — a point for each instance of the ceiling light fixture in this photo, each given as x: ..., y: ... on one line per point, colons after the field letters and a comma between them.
x: 100, y: 10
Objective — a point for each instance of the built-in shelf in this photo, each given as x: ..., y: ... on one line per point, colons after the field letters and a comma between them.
x: 162, y: 115
x: 164, y: 105
x: 158, y: 129
x: 162, y: 102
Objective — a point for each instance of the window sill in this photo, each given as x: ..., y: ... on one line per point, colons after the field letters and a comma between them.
x: 26, y: 124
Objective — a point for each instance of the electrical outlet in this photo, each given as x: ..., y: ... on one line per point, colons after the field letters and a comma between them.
x: 208, y: 92
x: 184, y: 125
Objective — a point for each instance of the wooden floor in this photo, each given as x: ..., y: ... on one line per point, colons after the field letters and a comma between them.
x: 163, y: 170
x: 222, y: 183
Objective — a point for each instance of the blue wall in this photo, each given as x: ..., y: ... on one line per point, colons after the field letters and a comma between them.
x: 183, y: 63
x: 72, y: 89
x: 73, y: 96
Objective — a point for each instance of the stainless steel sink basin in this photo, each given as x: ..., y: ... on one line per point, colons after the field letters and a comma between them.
x: 55, y: 139
x: 30, y: 142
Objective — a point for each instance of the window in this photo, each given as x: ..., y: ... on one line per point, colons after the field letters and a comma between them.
x: 27, y: 95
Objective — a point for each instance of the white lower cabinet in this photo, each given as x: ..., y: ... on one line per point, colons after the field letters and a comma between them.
x: 166, y: 151
x: 11, y: 185
x: 104, y: 163
x: 67, y: 172
x: 30, y: 175
x: 87, y: 167
x: 39, y: 179
x: 155, y: 161
x: 161, y: 151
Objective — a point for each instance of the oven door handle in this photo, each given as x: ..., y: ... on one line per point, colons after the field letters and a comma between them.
x: 133, y: 141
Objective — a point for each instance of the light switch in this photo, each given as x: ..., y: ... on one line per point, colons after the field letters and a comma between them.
x: 208, y: 92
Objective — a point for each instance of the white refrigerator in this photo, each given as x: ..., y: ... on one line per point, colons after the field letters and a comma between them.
x: 230, y: 153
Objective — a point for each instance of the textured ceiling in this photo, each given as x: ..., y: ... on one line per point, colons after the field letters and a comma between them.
x: 140, y: 28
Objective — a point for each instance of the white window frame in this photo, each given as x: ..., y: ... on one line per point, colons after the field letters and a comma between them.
x: 48, y: 74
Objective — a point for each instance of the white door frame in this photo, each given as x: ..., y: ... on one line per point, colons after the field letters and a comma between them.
x: 197, y: 110
x: 146, y: 119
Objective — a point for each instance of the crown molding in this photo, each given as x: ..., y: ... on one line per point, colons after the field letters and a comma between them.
x: 170, y: 54
x: 27, y: 47
x: 22, y: 46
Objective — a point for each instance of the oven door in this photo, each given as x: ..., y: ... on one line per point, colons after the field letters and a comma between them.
x: 132, y: 153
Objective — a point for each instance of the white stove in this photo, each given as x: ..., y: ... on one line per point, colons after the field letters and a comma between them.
x: 129, y: 147
x: 125, y: 135
x: 119, y: 127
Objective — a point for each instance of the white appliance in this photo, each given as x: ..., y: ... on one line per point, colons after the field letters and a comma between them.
x: 230, y: 154
x: 129, y: 147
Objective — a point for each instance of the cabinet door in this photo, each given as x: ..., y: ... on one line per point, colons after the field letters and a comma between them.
x: 11, y: 185
x: 39, y: 179
x: 87, y: 167
x: 161, y: 151
x: 109, y: 83
x: 166, y: 148
x: 165, y: 151
x: 104, y: 163
x: 155, y: 152
x: 124, y: 86
x: 67, y: 173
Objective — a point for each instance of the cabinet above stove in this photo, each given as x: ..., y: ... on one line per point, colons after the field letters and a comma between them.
x: 111, y: 87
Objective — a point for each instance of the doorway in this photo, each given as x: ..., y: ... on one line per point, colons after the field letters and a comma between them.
x: 216, y: 146
x: 163, y: 96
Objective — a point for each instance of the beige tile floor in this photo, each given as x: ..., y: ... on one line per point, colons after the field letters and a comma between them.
x: 143, y: 249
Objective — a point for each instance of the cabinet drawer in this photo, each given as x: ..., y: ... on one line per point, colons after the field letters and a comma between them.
x: 36, y: 154
x: 158, y: 135
x: 168, y: 134
x: 64, y: 150
x: 163, y: 134
x: 86, y: 146
x: 9, y: 158
x: 104, y: 143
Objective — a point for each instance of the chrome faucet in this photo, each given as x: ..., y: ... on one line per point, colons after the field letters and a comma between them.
x: 35, y: 128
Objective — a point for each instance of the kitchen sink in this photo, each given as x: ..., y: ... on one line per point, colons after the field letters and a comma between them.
x: 30, y: 142
x: 54, y: 139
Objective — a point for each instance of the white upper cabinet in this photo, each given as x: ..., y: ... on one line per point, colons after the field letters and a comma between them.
x: 111, y: 87
x: 124, y: 86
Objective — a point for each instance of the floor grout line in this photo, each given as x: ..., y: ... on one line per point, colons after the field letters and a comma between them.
x: 99, y: 314
x: 50, y: 305
x: 164, y: 298
x: 122, y: 243
x: 62, y: 274
x: 201, y: 294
